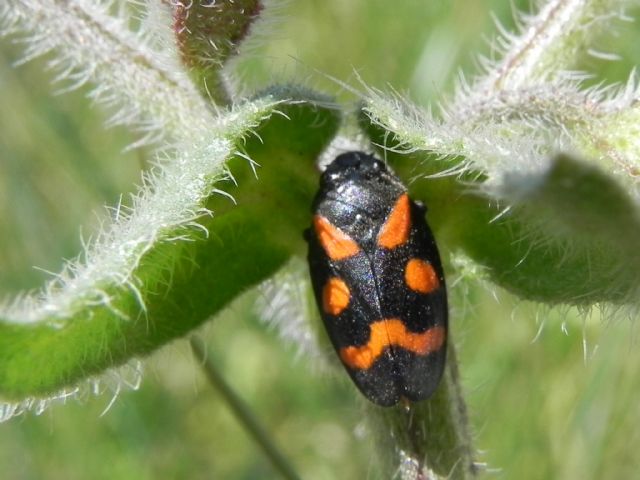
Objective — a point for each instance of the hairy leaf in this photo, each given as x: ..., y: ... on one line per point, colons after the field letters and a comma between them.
x: 185, y: 275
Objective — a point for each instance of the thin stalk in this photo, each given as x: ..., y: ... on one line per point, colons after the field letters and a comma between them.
x: 242, y: 412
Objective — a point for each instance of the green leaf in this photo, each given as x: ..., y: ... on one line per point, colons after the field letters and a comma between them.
x: 592, y: 218
x: 182, y: 279
x: 569, y: 235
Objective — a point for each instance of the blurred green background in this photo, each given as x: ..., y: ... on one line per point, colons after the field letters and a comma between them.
x: 562, y: 403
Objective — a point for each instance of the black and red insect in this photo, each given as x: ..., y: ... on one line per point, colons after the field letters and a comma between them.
x: 378, y: 280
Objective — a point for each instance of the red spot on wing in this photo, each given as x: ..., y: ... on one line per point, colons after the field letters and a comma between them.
x: 420, y: 276
x: 337, y: 244
x: 335, y: 296
x: 397, y: 226
x: 392, y: 332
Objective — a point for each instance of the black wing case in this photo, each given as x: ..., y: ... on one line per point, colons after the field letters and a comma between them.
x: 351, y: 327
x: 378, y: 281
x: 412, y: 289
x: 390, y: 327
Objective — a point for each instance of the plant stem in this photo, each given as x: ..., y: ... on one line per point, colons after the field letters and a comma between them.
x: 428, y: 439
x: 242, y: 412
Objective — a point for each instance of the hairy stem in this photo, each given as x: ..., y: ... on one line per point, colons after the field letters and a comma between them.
x: 208, y: 35
x: 429, y: 439
x: 550, y: 42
